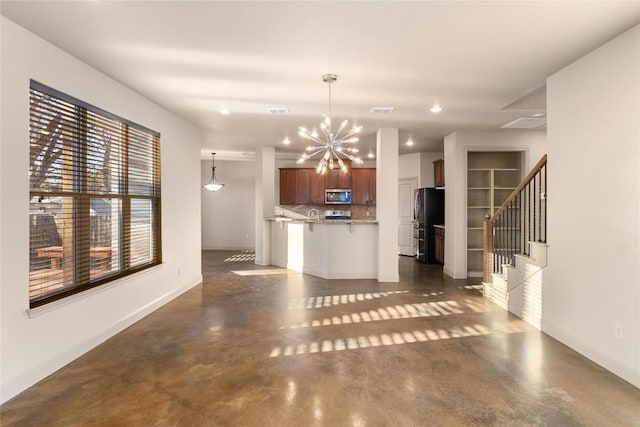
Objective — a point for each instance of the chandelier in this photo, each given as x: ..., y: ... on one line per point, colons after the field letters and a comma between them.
x: 331, y: 148
x: 212, y: 185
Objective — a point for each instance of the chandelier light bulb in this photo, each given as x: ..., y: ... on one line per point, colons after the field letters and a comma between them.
x: 331, y: 163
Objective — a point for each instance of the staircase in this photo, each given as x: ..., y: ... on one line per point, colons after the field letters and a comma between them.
x: 515, y: 249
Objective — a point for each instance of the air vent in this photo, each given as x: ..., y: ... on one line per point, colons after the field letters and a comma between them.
x: 382, y: 110
x: 278, y: 110
x: 525, y: 123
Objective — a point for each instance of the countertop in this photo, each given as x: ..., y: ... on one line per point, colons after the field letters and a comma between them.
x: 325, y: 221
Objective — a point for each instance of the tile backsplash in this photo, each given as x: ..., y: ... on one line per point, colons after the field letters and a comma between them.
x: 357, y: 211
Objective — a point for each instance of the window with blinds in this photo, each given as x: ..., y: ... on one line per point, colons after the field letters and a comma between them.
x: 94, y: 209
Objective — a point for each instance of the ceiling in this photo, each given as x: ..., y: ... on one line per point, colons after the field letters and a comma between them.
x: 479, y: 60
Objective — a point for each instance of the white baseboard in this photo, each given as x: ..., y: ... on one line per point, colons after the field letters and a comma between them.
x: 390, y: 278
x: 343, y: 275
x: 627, y: 373
x: 227, y: 248
x: 19, y: 384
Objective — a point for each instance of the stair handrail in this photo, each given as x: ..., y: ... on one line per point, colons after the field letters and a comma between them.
x: 527, y: 179
x: 491, y: 220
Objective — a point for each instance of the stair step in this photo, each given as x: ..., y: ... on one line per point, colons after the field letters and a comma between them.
x: 496, y: 294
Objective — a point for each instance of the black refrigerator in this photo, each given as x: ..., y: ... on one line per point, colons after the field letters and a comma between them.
x: 428, y: 211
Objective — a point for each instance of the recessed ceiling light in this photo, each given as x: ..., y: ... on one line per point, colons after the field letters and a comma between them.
x: 436, y: 108
x: 409, y: 143
x: 286, y: 141
x: 224, y: 111
x: 381, y: 110
x: 278, y: 110
x: 370, y: 155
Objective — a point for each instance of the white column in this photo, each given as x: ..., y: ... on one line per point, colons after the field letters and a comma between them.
x: 387, y: 204
x: 265, y: 190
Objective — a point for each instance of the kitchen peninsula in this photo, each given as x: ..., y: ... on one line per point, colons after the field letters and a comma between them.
x: 327, y: 248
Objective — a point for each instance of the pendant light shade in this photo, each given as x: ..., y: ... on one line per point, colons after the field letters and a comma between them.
x: 212, y: 185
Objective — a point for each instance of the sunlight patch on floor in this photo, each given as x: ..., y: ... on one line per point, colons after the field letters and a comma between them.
x: 378, y: 340
x: 332, y: 300
x: 261, y: 272
x: 244, y: 256
x: 398, y: 311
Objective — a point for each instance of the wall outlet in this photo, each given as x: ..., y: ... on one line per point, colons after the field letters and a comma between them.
x: 619, y: 331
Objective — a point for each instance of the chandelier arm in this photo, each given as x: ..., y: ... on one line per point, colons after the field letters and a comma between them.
x: 309, y: 156
x: 352, y: 158
x: 340, y: 129
x: 316, y: 140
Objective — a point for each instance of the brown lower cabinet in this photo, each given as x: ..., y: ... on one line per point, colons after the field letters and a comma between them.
x: 439, y: 245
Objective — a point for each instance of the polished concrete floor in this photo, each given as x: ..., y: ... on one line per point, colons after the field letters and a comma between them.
x: 271, y: 348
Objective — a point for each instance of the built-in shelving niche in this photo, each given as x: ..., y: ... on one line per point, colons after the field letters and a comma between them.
x: 491, y: 178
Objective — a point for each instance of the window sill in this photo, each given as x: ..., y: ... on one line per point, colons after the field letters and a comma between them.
x: 54, y: 305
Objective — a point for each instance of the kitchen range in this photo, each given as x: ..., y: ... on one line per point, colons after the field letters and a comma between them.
x: 337, y: 214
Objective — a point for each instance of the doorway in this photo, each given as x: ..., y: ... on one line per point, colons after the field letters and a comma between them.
x: 406, y: 243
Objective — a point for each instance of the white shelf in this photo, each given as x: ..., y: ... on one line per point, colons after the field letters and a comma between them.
x: 491, y: 178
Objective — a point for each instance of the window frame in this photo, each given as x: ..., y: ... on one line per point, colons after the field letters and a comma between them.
x: 81, y: 197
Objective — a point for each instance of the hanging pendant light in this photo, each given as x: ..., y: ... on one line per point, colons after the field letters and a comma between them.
x: 213, y: 185
x: 334, y: 146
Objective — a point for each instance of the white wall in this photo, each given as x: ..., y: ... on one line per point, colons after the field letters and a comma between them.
x: 592, y: 280
x: 33, y: 348
x: 409, y: 166
x: 418, y: 165
x: 456, y: 147
x: 387, y: 204
x: 228, y: 214
x: 426, y: 168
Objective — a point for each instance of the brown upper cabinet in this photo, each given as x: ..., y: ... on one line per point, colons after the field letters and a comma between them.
x: 301, y: 186
x: 316, y: 188
x: 335, y: 178
x: 302, y: 194
x: 287, y: 186
x: 363, y: 186
x: 438, y: 173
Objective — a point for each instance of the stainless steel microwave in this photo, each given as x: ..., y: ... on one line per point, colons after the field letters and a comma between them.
x: 337, y: 196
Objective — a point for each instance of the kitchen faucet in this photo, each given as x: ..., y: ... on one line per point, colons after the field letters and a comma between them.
x: 313, y: 215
